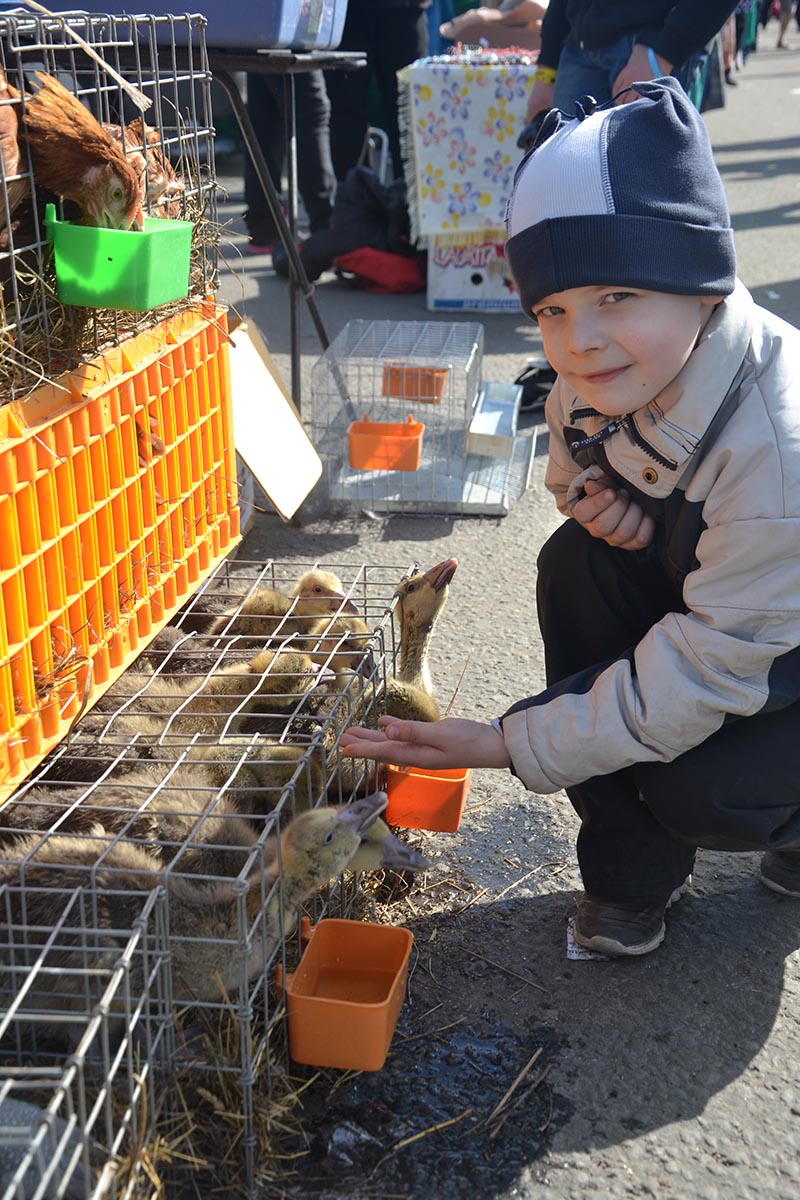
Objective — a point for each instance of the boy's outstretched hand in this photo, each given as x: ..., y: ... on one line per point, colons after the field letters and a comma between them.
x: 609, y: 512
x: 434, y: 745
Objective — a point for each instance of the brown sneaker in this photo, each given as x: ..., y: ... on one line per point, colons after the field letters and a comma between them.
x: 780, y: 871
x: 620, y: 931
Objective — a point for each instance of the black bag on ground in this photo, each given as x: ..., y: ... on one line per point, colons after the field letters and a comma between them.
x: 536, y: 380
x: 365, y: 213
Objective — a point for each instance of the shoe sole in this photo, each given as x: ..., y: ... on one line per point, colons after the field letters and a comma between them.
x: 604, y: 945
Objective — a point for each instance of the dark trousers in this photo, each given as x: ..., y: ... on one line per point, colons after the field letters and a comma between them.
x: 392, y: 37
x: 640, y: 826
x: 315, y: 178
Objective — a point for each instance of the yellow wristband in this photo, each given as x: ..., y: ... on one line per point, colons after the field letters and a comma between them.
x: 545, y: 74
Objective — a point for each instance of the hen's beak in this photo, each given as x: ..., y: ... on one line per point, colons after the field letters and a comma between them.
x: 363, y: 813
x: 137, y: 220
x: 440, y: 575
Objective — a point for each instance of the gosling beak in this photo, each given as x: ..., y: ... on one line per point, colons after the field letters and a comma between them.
x: 397, y: 856
x: 361, y: 814
x: 346, y: 607
x: 322, y: 674
x: 440, y: 575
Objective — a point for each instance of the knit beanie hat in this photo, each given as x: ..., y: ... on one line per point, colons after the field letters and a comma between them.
x: 627, y: 194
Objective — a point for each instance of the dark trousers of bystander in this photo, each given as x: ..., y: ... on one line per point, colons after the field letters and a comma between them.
x: 392, y: 37
x: 315, y: 177
x: 640, y: 826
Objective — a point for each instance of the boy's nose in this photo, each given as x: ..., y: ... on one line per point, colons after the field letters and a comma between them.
x: 584, y: 335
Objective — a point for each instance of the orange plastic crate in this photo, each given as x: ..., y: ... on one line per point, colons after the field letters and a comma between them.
x: 117, y: 498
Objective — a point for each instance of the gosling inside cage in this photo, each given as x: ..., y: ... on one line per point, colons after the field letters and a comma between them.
x: 83, y: 1040
x: 208, y: 783
x: 73, y: 138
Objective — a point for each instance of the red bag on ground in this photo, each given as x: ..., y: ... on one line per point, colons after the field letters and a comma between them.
x: 382, y: 271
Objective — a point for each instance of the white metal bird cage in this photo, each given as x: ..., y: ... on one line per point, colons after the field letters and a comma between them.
x: 40, y: 337
x: 83, y: 1033
x: 404, y: 387
x: 225, y: 1039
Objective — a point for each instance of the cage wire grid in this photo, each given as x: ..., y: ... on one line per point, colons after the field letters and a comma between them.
x: 387, y: 371
x: 161, y: 792
x: 81, y: 1034
x: 39, y: 337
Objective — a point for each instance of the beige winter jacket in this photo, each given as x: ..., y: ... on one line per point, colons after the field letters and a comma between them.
x: 735, y: 651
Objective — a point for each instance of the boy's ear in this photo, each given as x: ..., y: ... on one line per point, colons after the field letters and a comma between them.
x: 712, y: 300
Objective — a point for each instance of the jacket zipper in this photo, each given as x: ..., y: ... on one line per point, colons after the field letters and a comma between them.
x: 628, y: 423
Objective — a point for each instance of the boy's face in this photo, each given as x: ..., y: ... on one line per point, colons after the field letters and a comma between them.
x: 619, y: 347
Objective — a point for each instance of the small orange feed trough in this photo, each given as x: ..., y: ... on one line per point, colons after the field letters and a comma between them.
x: 344, y: 999
x: 420, y: 799
x: 423, y: 384
x: 385, y: 445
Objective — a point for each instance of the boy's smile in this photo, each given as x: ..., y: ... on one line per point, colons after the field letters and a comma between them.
x: 620, y: 347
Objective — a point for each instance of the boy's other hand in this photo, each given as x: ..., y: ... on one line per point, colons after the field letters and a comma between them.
x: 608, y: 512
x: 434, y: 745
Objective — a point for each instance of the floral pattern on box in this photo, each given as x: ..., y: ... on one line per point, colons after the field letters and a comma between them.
x: 460, y: 118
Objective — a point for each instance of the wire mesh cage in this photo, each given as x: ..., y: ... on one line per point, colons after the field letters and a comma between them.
x: 82, y: 1038
x: 391, y: 406
x: 169, y: 148
x: 191, y: 780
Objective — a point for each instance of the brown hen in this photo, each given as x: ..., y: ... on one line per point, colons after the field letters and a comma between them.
x: 16, y: 189
x: 73, y: 157
x: 160, y: 183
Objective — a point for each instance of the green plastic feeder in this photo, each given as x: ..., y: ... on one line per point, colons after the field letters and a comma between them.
x: 120, y: 268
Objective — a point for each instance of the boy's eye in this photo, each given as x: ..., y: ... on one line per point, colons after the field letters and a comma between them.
x: 615, y: 297
x: 549, y: 310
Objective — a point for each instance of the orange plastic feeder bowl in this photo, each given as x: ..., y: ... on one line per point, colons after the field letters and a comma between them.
x: 344, y: 999
x: 424, y: 384
x: 420, y: 799
x: 385, y: 445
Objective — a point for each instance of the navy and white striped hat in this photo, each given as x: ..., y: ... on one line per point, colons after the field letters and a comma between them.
x: 627, y: 194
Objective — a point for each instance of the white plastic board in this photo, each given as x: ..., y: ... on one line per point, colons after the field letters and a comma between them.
x: 268, y: 432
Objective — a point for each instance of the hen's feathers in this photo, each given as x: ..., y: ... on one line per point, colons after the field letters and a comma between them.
x: 160, y: 183
x: 73, y: 156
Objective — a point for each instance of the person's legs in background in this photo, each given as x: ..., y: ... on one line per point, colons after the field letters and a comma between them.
x: 400, y: 36
x: 265, y: 109
x: 315, y: 177
x: 392, y: 37
x: 784, y: 19
x: 316, y: 181
x: 348, y: 92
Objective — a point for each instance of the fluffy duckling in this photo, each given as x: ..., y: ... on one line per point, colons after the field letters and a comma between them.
x: 267, y: 614
x: 205, y: 941
x: 176, y: 808
x: 218, y: 705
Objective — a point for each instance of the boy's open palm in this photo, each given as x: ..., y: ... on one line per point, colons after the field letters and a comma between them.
x: 610, y: 513
x: 434, y: 745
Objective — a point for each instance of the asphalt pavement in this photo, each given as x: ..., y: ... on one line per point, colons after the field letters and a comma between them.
x: 675, y: 1075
